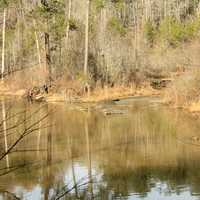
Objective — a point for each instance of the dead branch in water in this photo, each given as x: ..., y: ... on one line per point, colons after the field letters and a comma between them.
x: 17, y: 167
x: 19, y: 122
x: 27, y: 131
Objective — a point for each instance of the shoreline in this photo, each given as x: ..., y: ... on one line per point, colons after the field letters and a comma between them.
x: 97, y: 95
x: 104, y: 95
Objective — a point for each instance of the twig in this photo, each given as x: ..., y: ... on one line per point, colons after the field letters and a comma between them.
x: 23, y: 121
x: 72, y: 188
x: 14, y: 168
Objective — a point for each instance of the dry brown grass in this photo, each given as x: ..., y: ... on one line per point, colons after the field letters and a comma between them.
x: 66, y: 88
x: 27, y: 78
x: 117, y: 92
x: 194, y: 107
x: 19, y: 82
x: 185, y: 91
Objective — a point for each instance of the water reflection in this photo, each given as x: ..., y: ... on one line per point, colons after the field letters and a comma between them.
x: 5, y: 132
x: 87, y: 155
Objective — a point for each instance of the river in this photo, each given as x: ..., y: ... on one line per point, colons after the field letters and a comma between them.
x: 148, y: 151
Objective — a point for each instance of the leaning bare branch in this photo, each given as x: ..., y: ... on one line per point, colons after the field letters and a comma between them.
x: 79, y: 184
x: 12, y: 133
x: 20, y: 166
x: 20, y: 122
x: 26, y: 132
x: 72, y: 188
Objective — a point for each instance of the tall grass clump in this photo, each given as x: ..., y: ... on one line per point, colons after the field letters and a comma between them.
x: 185, y: 90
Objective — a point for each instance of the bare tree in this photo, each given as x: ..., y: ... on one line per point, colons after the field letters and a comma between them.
x: 37, y: 44
x: 3, y: 44
x: 86, y: 37
x: 68, y: 23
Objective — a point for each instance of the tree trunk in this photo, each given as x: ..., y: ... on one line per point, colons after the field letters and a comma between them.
x: 47, y: 57
x: 47, y: 47
x: 37, y: 45
x: 3, y: 45
x: 86, y: 38
x: 68, y: 18
x: 135, y: 34
x: 14, y: 58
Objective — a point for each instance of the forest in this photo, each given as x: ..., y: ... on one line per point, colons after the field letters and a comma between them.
x: 79, y: 47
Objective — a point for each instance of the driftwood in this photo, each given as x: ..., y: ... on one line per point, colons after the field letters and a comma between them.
x: 40, y: 98
x: 37, y: 93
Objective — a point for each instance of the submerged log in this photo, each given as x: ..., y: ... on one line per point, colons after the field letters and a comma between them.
x: 114, y: 112
x: 39, y: 98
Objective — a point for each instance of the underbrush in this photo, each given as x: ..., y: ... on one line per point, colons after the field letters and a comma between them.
x: 185, y: 90
x: 26, y: 78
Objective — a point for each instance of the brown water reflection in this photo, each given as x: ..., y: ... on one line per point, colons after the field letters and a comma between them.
x: 147, y: 153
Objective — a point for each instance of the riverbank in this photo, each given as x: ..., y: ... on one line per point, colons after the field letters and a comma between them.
x: 179, y: 94
x: 96, y: 95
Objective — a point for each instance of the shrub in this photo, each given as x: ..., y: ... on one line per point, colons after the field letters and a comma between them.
x: 192, y: 28
x: 99, y: 4
x: 119, y: 4
x: 72, y: 24
x: 173, y: 32
x: 117, y: 26
x: 149, y: 32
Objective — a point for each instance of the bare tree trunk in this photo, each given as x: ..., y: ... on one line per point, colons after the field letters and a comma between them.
x: 165, y: 9
x: 136, y: 36
x: 86, y: 38
x: 47, y: 57
x: 14, y: 59
x: 3, y: 44
x: 47, y: 47
x: 68, y: 18
x: 37, y: 45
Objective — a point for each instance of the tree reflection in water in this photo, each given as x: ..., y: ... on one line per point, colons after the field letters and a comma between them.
x: 87, y: 155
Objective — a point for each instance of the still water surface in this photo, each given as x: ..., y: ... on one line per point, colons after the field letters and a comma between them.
x: 150, y: 152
